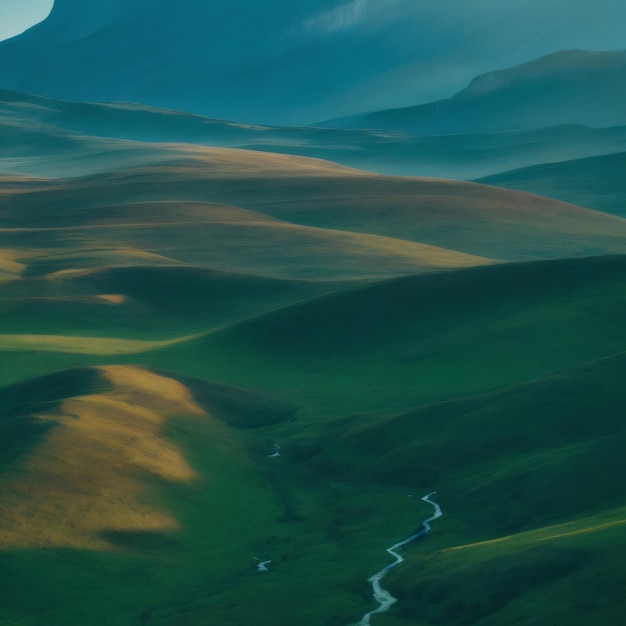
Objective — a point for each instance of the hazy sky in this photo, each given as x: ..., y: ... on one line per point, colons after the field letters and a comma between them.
x: 18, y: 15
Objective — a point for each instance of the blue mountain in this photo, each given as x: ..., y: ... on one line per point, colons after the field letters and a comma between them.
x: 568, y: 87
x: 280, y: 61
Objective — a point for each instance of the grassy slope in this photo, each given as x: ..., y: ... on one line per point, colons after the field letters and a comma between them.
x: 401, y: 342
x: 339, y: 499
x: 143, y: 302
x: 596, y: 182
x: 200, y: 498
x: 530, y: 482
x: 342, y: 495
x: 469, y: 218
x: 194, y: 501
x: 417, y: 339
x: 507, y: 461
x: 264, y: 248
x: 177, y: 473
x: 58, y: 224
x: 568, y: 573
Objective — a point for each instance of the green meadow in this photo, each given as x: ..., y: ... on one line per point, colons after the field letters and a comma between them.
x: 170, y: 324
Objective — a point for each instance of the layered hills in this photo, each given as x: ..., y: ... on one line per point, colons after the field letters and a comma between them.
x: 212, y: 358
x: 33, y: 128
x: 518, y: 467
x: 323, y: 205
x: 85, y: 138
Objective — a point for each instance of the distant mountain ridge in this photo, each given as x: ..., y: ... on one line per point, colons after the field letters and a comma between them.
x: 29, y: 123
x: 243, y: 59
x: 568, y: 87
x: 283, y: 62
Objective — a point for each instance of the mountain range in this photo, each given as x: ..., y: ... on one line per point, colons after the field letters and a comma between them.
x: 289, y: 62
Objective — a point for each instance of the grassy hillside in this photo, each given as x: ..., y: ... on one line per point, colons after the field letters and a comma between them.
x: 463, y: 217
x: 511, y: 460
x: 396, y: 343
x: 134, y: 501
x: 216, y: 237
x: 597, y: 182
x: 143, y: 301
x: 211, y: 358
x: 529, y: 481
x: 566, y: 573
x: 532, y: 469
x: 125, y: 474
x: 418, y: 339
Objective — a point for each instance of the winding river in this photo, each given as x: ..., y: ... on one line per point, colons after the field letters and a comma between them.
x: 382, y: 596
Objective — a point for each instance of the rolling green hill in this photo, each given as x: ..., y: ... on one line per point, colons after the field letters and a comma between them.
x: 596, y: 182
x: 396, y: 343
x: 120, y: 473
x: 127, y: 474
x: 465, y: 218
x: 528, y: 474
x: 143, y: 301
x: 530, y: 483
x: 212, y: 358
x: 415, y: 340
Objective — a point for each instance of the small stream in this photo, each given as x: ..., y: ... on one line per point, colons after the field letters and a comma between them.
x: 382, y: 596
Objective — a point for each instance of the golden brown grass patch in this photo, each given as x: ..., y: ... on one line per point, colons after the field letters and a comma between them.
x: 9, y: 265
x: 589, y: 525
x: 112, y: 298
x: 88, y: 475
x: 103, y: 346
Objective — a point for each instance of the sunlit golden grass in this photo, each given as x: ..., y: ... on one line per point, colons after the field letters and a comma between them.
x: 101, y: 256
x: 9, y: 265
x: 112, y: 298
x: 156, y: 213
x: 88, y: 474
x: 161, y: 208
x: 74, y: 258
x: 82, y: 345
x: 105, y: 298
x: 268, y: 247
x: 606, y: 521
x: 221, y: 237
x: 235, y: 163
x: 560, y: 574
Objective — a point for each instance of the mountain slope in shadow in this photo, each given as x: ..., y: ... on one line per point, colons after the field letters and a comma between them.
x: 569, y: 87
x: 284, y: 63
